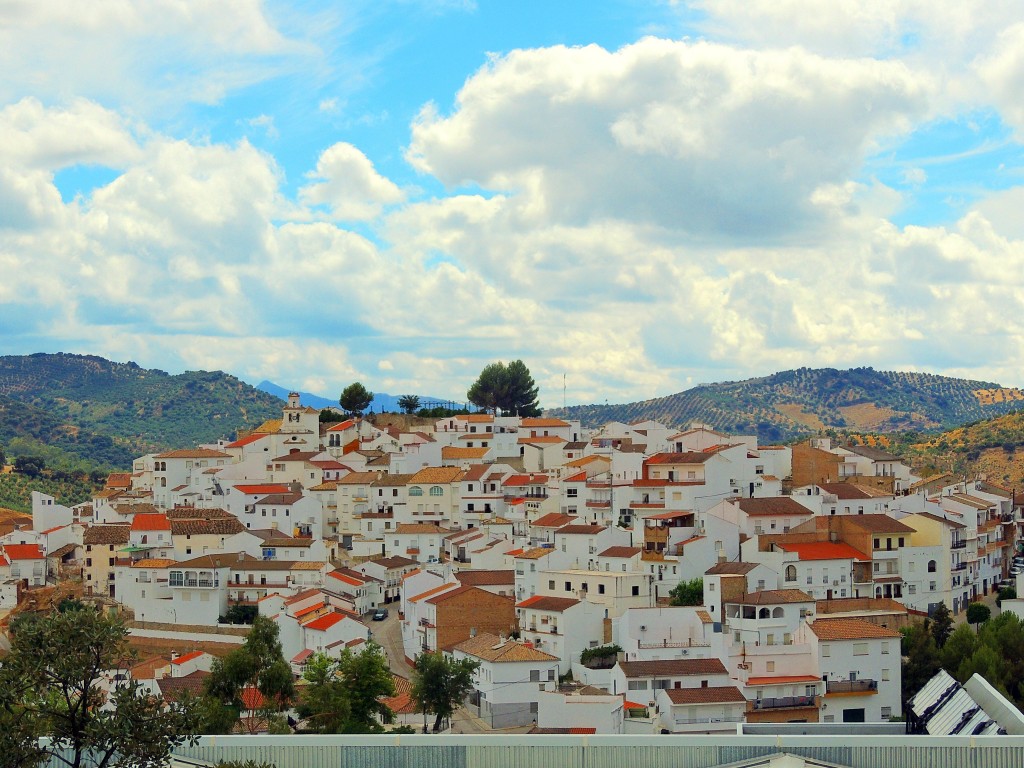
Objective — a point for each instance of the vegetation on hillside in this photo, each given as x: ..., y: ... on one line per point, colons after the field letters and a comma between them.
x: 788, y: 404
x: 109, y: 413
x: 16, y: 489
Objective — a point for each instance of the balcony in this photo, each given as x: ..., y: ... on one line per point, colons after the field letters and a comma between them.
x: 960, y: 567
x: 673, y: 644
x: 786, y: 702
x: 958, y: 545
x: 851, y: 686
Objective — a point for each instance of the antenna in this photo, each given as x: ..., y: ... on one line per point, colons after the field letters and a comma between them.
x: 563, y: 390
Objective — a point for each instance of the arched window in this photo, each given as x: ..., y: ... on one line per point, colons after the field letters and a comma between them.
x: 415, y: 491
x: 763, y: 614
x: 436, y: 490
x: 777, y: 613
x: 931, y: 566
x: 790, y: 573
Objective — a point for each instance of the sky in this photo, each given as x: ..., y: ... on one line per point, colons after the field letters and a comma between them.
x: 631, y: 196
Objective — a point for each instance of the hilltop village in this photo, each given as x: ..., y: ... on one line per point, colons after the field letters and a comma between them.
x: 556, y: 557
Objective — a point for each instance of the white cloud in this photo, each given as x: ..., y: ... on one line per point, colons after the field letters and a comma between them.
x: 703, y: 139
x: 145, y: 54
x: 346, y: 181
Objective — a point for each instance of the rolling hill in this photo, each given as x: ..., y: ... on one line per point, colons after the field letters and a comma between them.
x: 788, y: 404
x: 111, y: 412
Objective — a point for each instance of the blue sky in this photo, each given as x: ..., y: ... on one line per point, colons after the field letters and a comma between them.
x: 635, y: 196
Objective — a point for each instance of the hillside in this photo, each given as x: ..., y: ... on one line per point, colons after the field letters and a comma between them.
x: 382, y: 401
x: 992, y: 447
x: 791, y: 403
x: 111, y: 412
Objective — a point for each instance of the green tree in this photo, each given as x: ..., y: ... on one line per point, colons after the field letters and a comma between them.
x: 978, y: 613
x: 258, y: 665
x: 506, y: 388
x: 409, y: 403
x: 355, y: 398
x: 960, y: 645
x: 439, y: 685
x: 51, y: 686
x: 921, y: 659
x: 31, y: 466
x: 687, y: 593
x: 344, y: 695
x: 1006, y: 593
x: 368, y: 676
x: 942, y: 625
x: 325, y: 701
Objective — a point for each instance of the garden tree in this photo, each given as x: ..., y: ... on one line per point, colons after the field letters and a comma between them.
x: 324, y: 701
x: 960, y: 645
x: 1006, y: 593
x: 687, y: 593
x: 942, y: 625
x: 258, y: 665
x: 921, y: 659
x: 355, y: 398
x: 409, y: 403
x: 978, y: 613
x: 344, y: 695
x: 50, y: 687
x: 986, y: 662
x: 439, y: 684
x: 508, y: 388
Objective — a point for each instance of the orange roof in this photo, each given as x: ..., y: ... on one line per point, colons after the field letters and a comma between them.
x: 531, y: 421
x: 850, y: 629
x: 347, y: 579
x: 193, y: 453
x: 23, y: 551
x: 151, y: 522
x: 309, y: 609
x: 825, y: 550
x: 434, y: 591
x: 554, y: 520
x: 342, y: 426
x: 325, y: 622
x: 782, y: 680
x: 455, y: 452
x: 187, y: 657
x: 263, y: 488
x: 243, y: 441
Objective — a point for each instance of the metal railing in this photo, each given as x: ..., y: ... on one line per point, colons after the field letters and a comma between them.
x: 782, y: 702
x: 851, y: 686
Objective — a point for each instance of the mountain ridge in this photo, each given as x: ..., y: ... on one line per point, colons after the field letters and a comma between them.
x: 787, y: 404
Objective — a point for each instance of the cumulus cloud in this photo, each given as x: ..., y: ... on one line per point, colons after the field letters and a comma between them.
x: 698, y: 138
x: 151, y: 54
x: 346, y: 181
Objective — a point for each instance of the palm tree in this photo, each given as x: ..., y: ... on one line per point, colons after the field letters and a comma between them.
x: 409, y: 403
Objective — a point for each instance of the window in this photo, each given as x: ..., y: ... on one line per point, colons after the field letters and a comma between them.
x: 860, y: 649
x: 826, y: 650
x: 534, y: 675
x: 436, y: 490
x: 600, y: 589
x: 637, y: 685
x: 711, y: 584
x: 885, y: 646
x: 885, y: 674
x: 931, y: 586
x: 551, y: 584
x: 568, y: 586
x: 931, y: 566
x: 886, y: 713
x: 636, y: 591
x: 770, y: 665
x: 415, y: 491
x: 176, y: 579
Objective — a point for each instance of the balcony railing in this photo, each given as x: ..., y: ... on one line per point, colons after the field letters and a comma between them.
x: 851, y: 686
x: 782, y: 702
x: 704, y: 720
x: 958, y: 544
x: 674, y: 644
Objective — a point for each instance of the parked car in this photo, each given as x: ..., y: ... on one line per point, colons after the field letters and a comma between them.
x: 380, y: 614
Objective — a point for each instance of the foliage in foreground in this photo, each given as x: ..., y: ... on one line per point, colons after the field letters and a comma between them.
x: 52, y: 685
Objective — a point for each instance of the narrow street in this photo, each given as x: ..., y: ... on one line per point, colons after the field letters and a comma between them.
x: 388, y: 634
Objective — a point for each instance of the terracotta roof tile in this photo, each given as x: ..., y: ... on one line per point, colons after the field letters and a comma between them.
x: 493, y: 649
x: 715, y: 694
x: 850, y: 629
x: 673, y: 668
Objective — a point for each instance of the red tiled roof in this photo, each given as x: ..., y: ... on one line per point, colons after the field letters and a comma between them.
x: 545, y: 603
x: 263, y: 488
x: 243, y: 441
x: 621, y: 551
x: 150, y: 522
x: 825, y: 550
x: 553, y: 520
x: 325, y: 622
x: 23, y: 551
x: 187, y: 657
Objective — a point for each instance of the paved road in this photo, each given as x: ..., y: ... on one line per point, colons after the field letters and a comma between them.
x: 388, y: 634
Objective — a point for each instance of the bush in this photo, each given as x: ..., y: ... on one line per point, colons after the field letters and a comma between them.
x: 597, y: 658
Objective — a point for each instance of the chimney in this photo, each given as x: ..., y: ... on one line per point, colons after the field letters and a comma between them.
x: 472, y: 631
x: 174, y: 655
